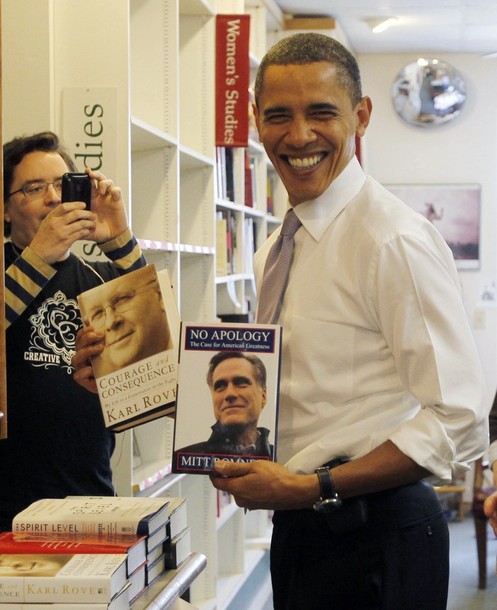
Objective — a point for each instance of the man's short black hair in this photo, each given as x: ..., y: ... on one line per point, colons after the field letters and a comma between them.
x: 311, y: 47
x: 15, y: 151
x: 255, y: 361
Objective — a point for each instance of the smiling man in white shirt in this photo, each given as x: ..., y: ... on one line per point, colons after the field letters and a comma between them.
x: 381, y: 381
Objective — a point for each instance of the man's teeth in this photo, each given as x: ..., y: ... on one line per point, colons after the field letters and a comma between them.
x: 304, y: 162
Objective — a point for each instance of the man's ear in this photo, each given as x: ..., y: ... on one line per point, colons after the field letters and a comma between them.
x: 363, y: 111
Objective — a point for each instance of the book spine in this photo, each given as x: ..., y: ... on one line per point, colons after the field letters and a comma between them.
x: 248, y: 180
x: 109, y: 530
x: 55, y: 589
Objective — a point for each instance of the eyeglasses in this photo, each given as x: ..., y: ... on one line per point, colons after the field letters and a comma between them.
x: 38, y: 189
x: 119, y: 303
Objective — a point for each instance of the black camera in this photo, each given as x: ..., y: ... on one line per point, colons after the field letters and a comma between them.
x: 76, y: 187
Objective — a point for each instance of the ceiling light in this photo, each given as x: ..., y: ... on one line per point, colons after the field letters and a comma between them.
x: 380, y: 24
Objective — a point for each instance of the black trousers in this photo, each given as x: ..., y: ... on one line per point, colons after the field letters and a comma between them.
x: 397, y: 560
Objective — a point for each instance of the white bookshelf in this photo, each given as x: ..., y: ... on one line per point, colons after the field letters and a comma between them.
x: 235, y: 292
x: 155, y: 59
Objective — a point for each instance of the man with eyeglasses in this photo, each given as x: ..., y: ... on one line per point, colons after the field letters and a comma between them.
x: 57, y: 442
x: 131, y: 316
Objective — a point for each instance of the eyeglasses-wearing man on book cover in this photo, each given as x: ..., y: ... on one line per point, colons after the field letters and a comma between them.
x: 131, y: 315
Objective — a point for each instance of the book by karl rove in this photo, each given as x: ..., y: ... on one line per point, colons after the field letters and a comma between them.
x: 136, y: 372
x: 228, y: 392
x: 61, y: 579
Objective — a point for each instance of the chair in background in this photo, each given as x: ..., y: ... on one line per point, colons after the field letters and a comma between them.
x: 454, y: 494
x: 480, y: 492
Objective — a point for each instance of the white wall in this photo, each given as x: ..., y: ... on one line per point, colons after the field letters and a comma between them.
x: 463, y: 151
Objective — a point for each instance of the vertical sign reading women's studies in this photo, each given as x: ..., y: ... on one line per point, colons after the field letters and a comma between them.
x: 232, y: 79
x: 228, y: 392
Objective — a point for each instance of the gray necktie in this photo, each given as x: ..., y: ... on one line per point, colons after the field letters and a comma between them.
x: 276, y: 270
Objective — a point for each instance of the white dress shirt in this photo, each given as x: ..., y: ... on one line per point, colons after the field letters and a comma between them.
x: 376, y: 341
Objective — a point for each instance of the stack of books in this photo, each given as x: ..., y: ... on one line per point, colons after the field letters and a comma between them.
x: 86, y: 552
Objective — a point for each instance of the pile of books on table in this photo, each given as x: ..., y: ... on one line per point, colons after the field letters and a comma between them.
x: 90, y: 553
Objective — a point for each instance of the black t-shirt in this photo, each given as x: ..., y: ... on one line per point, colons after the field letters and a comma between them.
x: 57, y: 442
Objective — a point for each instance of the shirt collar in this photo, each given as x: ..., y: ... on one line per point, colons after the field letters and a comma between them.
x: 316, y: 215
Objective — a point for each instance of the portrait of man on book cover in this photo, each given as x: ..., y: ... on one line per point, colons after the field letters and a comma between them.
x: 240, y: 420
x: 137, y: 319
x: 131, y: 313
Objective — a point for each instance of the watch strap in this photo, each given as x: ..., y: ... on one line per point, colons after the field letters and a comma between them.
x: 326, y: 485
x: 329, y: 499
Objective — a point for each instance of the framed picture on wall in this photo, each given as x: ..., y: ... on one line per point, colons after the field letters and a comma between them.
x: 454, y: 209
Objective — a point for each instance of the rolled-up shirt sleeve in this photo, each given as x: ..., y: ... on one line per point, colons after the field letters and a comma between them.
x: 423, y: 319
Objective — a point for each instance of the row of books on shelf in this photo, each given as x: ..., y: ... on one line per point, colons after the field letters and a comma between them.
x: 227, y: 252
x: 226, y: 170
x: 251, y: 192
x: 225, y: 174
x: 90, y: 552
x: 226, y: 243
